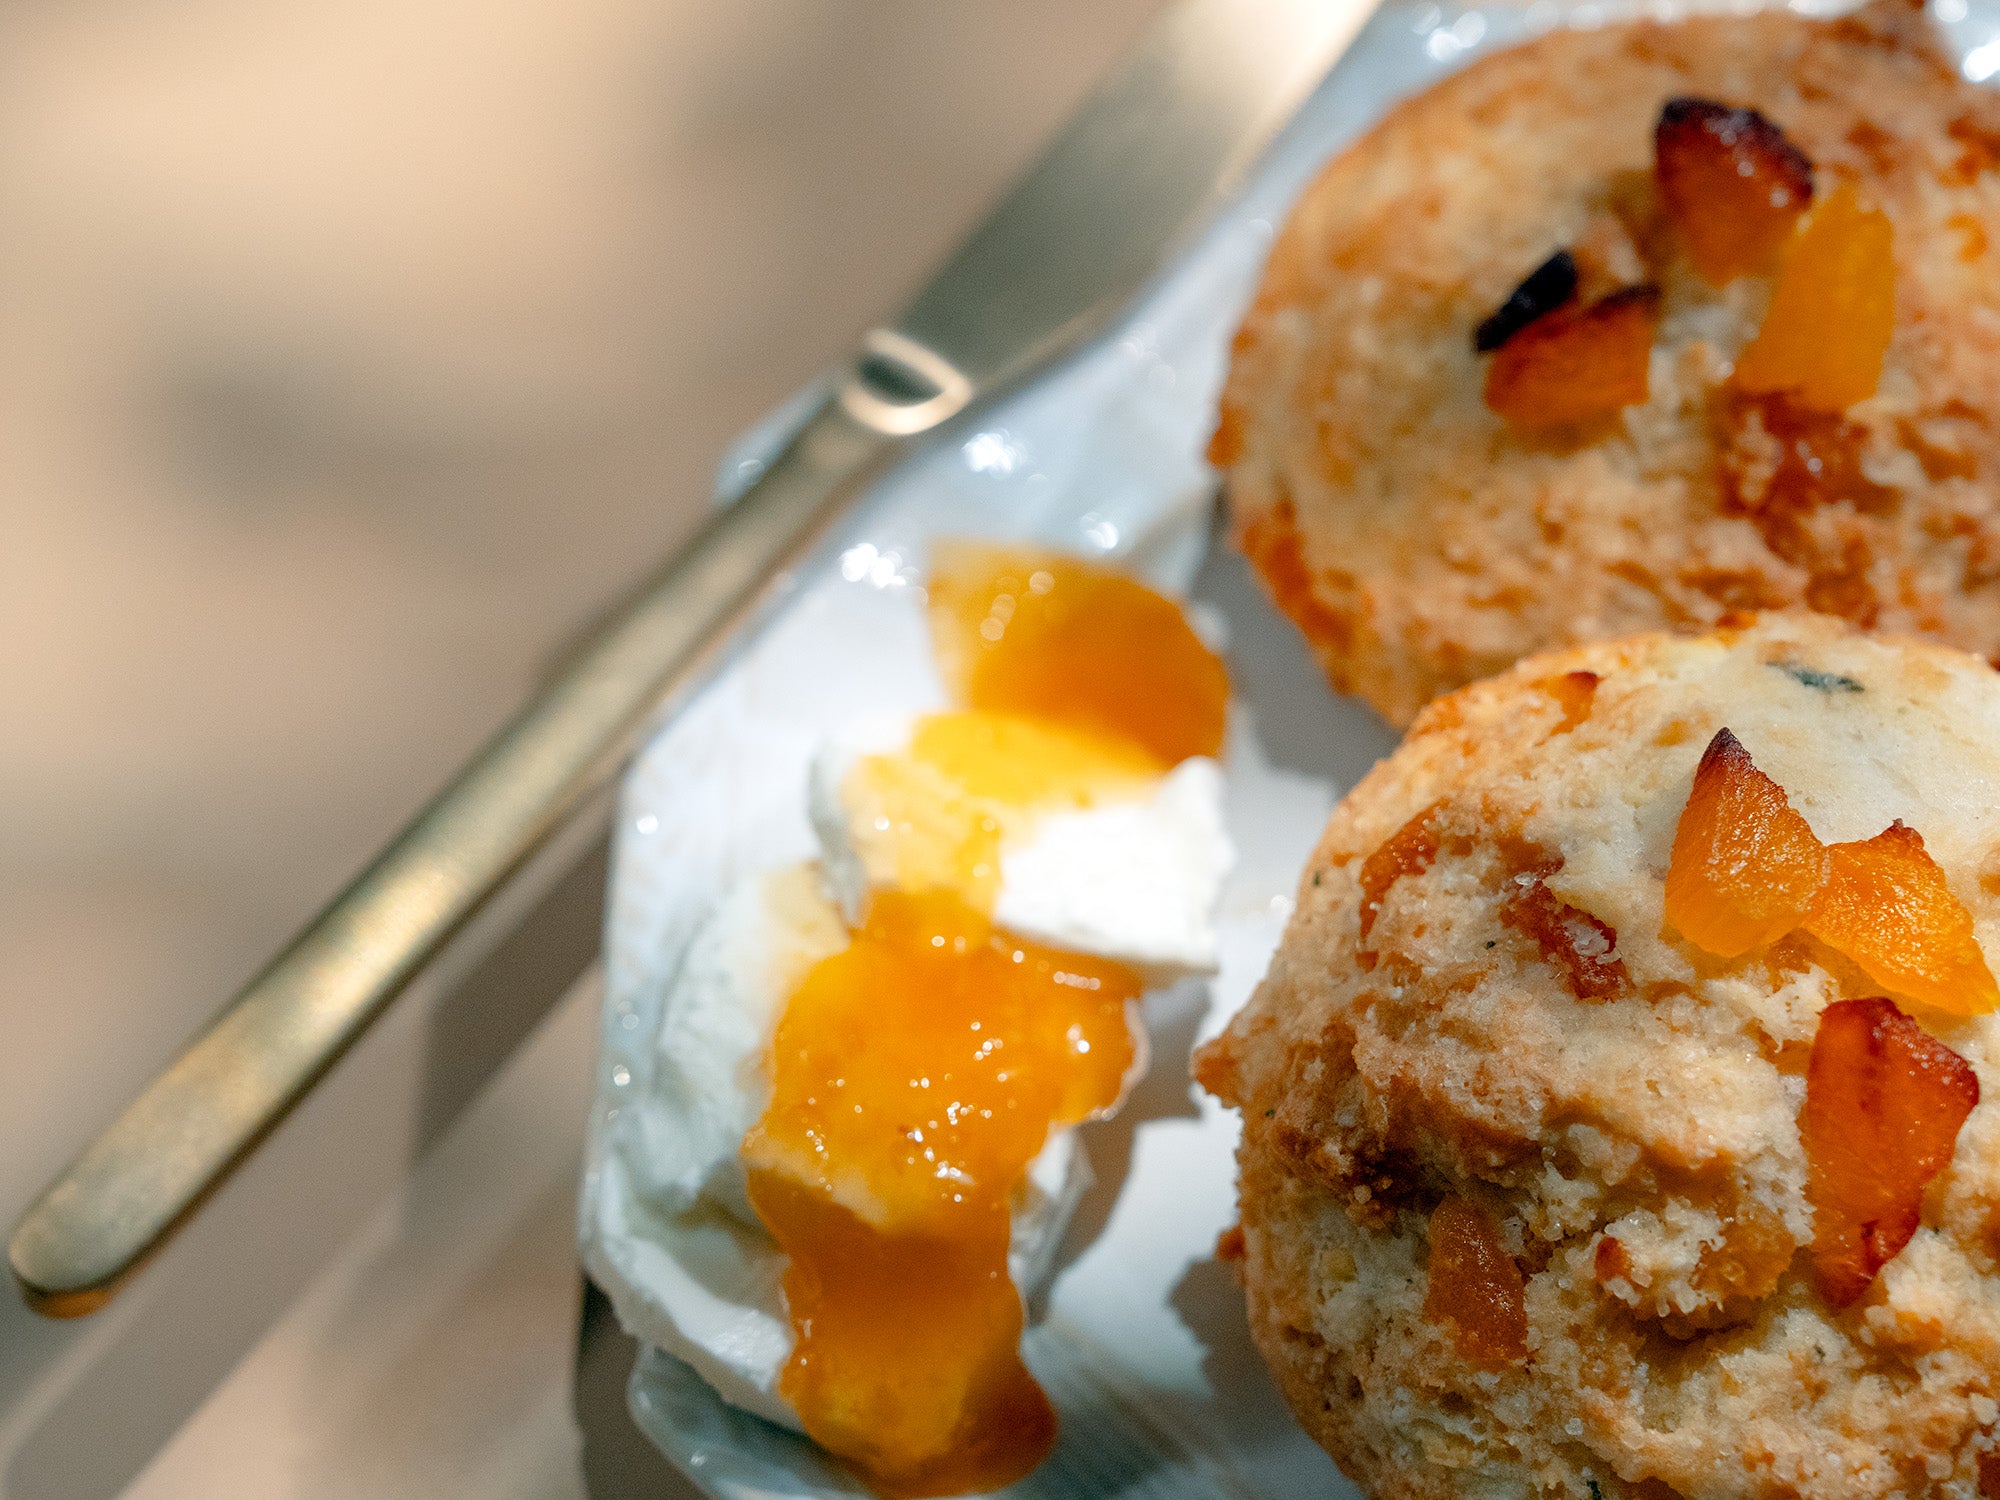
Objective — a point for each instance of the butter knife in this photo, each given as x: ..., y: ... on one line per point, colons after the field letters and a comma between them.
x: 1143, y: 165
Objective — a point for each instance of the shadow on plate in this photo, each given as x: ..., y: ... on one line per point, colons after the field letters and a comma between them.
x: 1275, y: 1454
x: 1173, y: 1017
x: 619, y: 1462
x: 1305, y: 726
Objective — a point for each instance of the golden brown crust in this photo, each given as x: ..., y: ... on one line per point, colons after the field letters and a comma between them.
x: 1420, y: 543
x: 1639, y: 1150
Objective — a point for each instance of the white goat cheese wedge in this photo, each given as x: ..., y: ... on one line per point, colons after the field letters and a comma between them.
x: 706, y: 1268
x: 1130, y: 872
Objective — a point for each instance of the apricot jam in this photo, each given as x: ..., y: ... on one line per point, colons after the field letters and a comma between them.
x: 1037, y: 633
x: 916, y: 1074
x: 933, y: 815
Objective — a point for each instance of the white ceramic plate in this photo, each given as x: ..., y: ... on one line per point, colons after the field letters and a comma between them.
x: 1144, y: 1347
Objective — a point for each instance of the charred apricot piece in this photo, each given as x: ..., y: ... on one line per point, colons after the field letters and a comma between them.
x: 1832, y: 310
x: 1745, y: 865
x: 1733, y: 185
x: 1884, y: 1103
x: 1576, y: 364
x: 1541, y: 292
x: 1475, y: 1288
x: 1886, y: 905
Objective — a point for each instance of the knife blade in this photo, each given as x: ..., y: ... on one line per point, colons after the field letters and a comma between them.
x: 1137, y: 172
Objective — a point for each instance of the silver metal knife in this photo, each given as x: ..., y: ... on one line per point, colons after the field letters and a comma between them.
x: 1151, y: 155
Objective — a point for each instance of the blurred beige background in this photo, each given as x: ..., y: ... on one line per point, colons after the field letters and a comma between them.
x: 351, y: 356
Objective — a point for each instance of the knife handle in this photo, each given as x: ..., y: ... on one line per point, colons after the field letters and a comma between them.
x: 152, y: 1167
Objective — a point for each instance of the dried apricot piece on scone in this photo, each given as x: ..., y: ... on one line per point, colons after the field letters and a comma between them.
x: 1407, y: 851
x: 1475, y: 1288
x: 1574, y: 693
x: 1886, y: 905
x: 1580, y: 947
x: 1430, y: 544
x: 1884, y: 1103
x: 1833, y: 309
x: 1733, y: 185
x: 1745, y: 864
x: 1576, y: 364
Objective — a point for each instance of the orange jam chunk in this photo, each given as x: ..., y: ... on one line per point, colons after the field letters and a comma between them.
x: 914, y: 1076
x: 1576, y: 364
x: 933, y: 815
x: 1043, y: 634
x: 1884, y: 1103
x: 1886, y: 906
x: 1832, y: 310
x: 1475, y: 1287
x: 1745, y: 866
x: 1734, y: 187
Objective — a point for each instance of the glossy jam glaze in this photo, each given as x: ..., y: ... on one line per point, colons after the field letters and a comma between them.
x: 916, y: 1074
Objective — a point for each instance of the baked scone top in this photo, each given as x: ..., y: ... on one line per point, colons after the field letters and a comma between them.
x: 1421, y: 541
x: 1513, y: 1023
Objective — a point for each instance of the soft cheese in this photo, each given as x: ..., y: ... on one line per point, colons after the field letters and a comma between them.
x: 1132, y: 876
x: 708, y: 1271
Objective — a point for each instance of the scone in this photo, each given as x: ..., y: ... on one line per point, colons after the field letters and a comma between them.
x: 1493, y: 395
x: 1618, y: 1108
